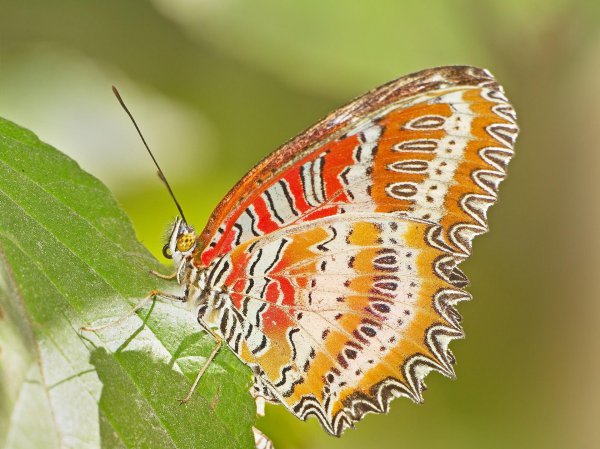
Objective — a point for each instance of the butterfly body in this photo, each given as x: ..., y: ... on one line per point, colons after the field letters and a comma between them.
x: 331, y: 268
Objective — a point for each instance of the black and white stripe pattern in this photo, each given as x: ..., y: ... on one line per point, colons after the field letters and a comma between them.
x: 355, y: 178
x: 311, y: 174
x: 280, y: 202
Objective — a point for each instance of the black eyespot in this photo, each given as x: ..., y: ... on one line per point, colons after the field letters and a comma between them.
x: 167, y: 251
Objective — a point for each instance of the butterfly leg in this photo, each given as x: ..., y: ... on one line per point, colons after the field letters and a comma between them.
x: 168, y: 277
x: 208, y: 361
x: 138, y: 306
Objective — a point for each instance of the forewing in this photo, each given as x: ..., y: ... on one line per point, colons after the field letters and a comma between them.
x: 340, y: 315
x: 432, y: 146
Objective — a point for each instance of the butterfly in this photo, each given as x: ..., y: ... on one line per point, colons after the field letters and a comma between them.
x: 331, y: 268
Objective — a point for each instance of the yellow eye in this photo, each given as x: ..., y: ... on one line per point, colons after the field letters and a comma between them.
x: 185, y: 241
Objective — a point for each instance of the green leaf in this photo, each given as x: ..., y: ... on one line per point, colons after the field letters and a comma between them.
x: 69, y: 257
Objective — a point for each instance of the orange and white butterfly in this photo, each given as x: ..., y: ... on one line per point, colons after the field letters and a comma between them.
x: 331, y: 268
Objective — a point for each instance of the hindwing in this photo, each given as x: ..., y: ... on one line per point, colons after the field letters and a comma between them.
x: 339, y: 315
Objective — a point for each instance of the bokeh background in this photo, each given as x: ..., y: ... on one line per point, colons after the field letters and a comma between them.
x: 218, y: 84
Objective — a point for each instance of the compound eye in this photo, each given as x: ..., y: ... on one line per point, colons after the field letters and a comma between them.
x: 167, y: 251
x: 186, y: 241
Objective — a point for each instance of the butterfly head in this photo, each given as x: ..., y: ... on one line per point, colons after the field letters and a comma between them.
x: 181, y: 241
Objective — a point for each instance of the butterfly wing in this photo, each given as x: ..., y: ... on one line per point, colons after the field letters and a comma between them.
x: 326, y: 244
x: 433, y: 145
x: 339, y: 315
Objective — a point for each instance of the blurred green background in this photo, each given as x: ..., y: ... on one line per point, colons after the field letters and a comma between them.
x: 218, y: 84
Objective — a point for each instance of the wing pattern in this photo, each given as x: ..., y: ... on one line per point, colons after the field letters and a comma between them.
x: 434, y: 145
x: 340, y: 315
x: 335, y: 259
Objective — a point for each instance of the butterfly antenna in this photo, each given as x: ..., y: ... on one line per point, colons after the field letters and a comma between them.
x: 161, y: 175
